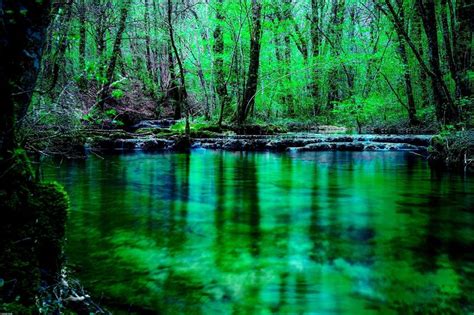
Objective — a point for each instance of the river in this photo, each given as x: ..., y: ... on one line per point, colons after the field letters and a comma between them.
x: 258, y: 233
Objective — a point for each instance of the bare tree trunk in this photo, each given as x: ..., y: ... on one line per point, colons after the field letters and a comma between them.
x: 371, y: 72
x: 248, y: 101
x: 315, y: 43
x: 82, y: 44
x: 411, y: 107
x: 445, y: 108
x: 408, y: 85
x: 173, y: 89
x: 288, y: 96
x: 148, y: 55
x: 105, y: 91
x: 58, y: 57
x: 335, y: 33
x: 463, y: 46
x: 219, y: 75
x: 101, y: 29
x: 183, y: 95
x: 446, y: 112
x: 423, y: 79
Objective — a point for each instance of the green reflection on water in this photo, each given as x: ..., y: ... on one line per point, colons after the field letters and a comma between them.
x: 260, y: 233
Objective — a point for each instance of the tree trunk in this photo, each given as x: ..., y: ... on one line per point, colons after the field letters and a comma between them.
x: 20, y: 54
x: 371, y: 72
x: 335, y: 34
x: 82, y: 44
x: 248, y: 101
x: 219, y: 75
x: 446, y: 112
x: 32, y: 214
x: 183, y: 95
x: 58, y: 56
x: 423, y: 79
x: 411, y: 108
x: 173, y: 89
x: 447, y: 42
x: 350, y: 70
x: 288, y: 97
x: 101, y: 30
x: 148, y: 54
x: 105, y: 91
x: 315, y: 43
x: 445, y: 108
x: 463, y: 46
x: 408, y: 85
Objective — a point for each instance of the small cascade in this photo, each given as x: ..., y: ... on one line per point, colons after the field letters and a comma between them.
x: 276, y: 143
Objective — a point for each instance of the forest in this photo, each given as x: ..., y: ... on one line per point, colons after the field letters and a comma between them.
x: 363, y: 65
x: 107, y: 86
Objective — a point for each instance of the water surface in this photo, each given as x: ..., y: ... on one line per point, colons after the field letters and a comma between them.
x: 259, y: 233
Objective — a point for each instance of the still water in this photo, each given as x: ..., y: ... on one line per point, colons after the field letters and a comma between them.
x: 259, y: 233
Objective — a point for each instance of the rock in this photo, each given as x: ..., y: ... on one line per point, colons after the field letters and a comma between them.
x: 280, y: 143
x: 181, y: 143
x: 340, y: 139
x: 301, y: 126
x: 210, y: 145
x: 153, y: 124
x: 348, y: 146
x: 331, y: 129
x: 331, y: 146
x: 126, y: 144
x: 410, y: 139
x: 384, y: 146
x: 156, y: 145
x: 144, y: 131
x: 234, y: 144
x: 256, y: 145
x: 323, y: 146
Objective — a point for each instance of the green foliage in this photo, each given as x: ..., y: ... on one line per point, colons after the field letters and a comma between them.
x: 97, y: 117
x: 117, y: 94
x: 111, y: 112
x: 197, y: 124
x: 295, y: 78
x: 451, y: 148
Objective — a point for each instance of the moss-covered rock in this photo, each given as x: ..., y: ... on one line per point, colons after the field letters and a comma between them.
x: 32, y: 228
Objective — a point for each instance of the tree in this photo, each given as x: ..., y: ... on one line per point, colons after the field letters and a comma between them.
x: 335, y: 35
x: 315, y: 43
x: 58, y: 56
x: 248, y: 101
x: 182, y: 92
x: 411, y: 108
x: 446, y: 112
x: 418, y: 40
x: 105, y: 91
x: 82, y: 42
x: 463, y: 31
x: 445, y: 108
x: 32, y: 215
x: 219, y: 75
x: 20, y: 55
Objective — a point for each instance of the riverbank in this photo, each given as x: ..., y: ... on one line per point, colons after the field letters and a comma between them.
x: 168, y: 135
